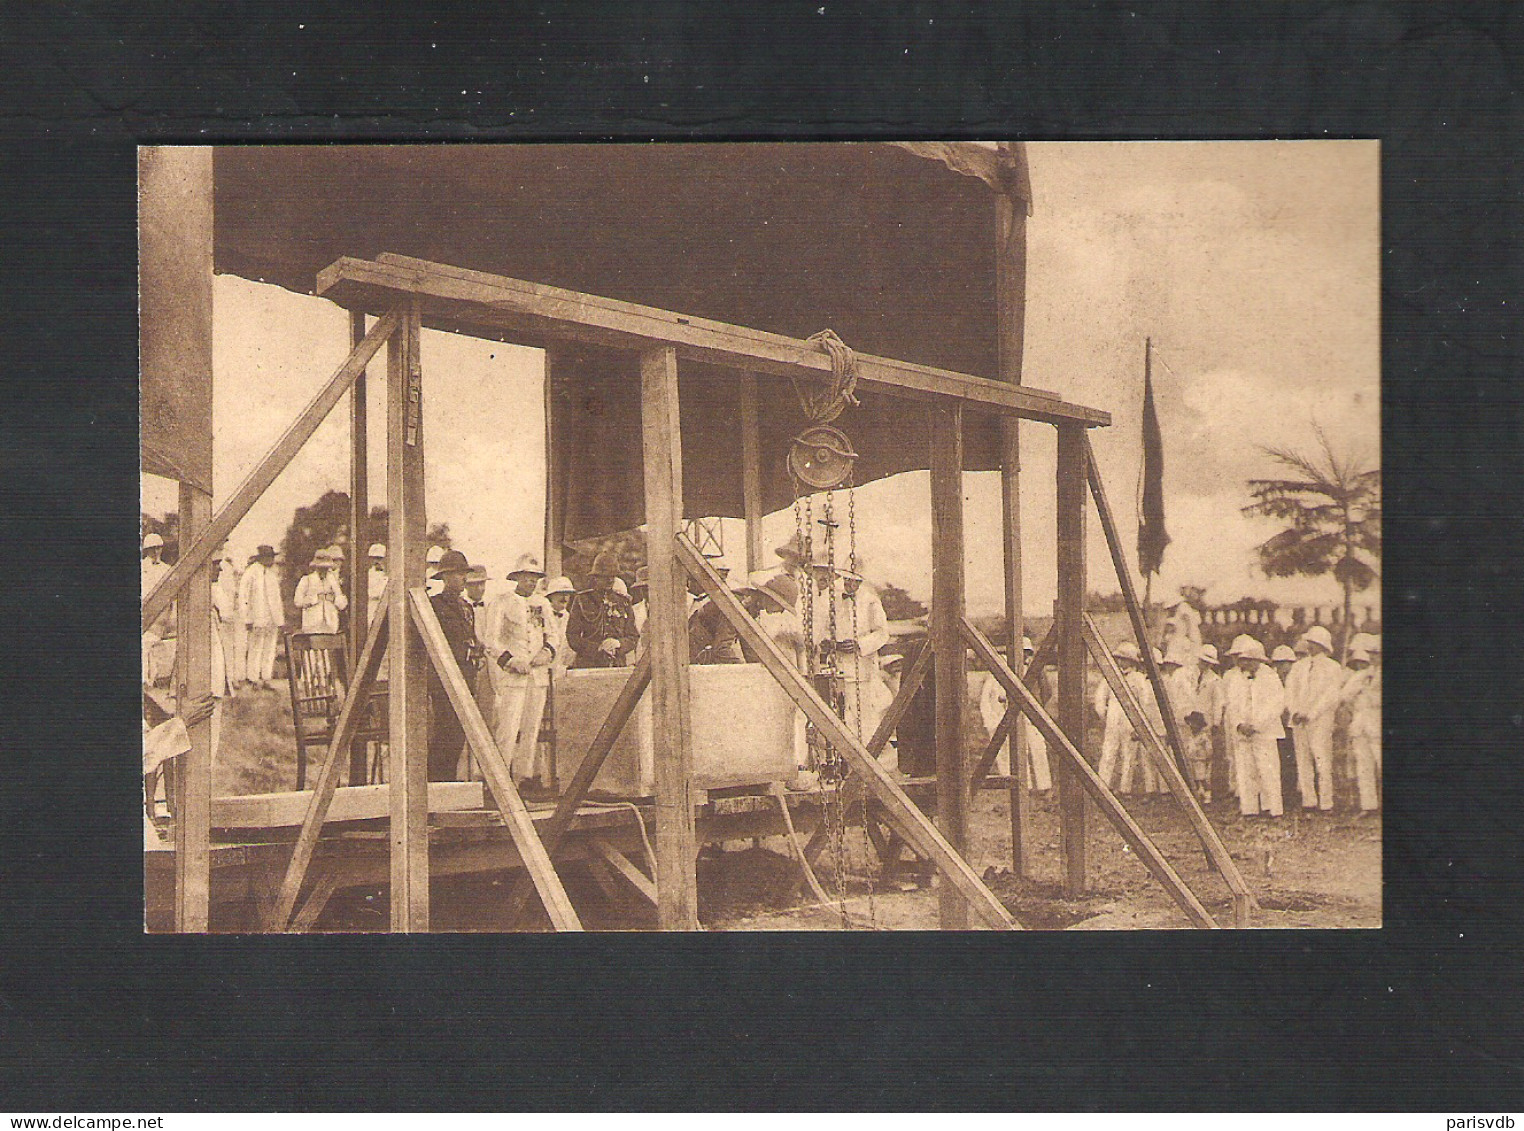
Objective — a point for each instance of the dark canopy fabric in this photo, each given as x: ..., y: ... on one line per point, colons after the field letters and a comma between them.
x: 892, y: 250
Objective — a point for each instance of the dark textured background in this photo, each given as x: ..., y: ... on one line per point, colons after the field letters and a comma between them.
x: 1423, y: 1014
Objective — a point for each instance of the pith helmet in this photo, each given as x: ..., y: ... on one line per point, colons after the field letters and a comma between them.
x: 1127, y: 650
x: 783, y: 589
x: 153, y: 541
x: 1320, y: 636
x: 1247, y: 648
x: 377, y: 550
x: 1282, y: 654
x: 528, y: 565
x: 1209, y: 653
x: 560, y: 585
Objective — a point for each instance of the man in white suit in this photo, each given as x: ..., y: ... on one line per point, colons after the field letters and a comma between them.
x: 263, y: 614
x: 319, y: 596
x: 1254, y: 703
x: 521, y: 649
x: 1312, y: 697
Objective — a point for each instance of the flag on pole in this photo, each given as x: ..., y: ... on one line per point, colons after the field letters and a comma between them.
x: 1152, y: 537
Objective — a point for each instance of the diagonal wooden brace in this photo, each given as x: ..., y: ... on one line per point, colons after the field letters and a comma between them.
x: 1007, y: 722
x: 499, y: 777
x: 328, y: 778
x: 912, y: 824
x: 1217, y: 852
x: 194, y: 556
x: 902, y: 699
x: 554, y: 830
x: 1099, y: 792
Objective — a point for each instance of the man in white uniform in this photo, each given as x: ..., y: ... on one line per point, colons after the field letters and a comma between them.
x: 1183, y: 627
x: 1116, y: 730
x: 1183, y: 684
x: 521, y: 649
x: 154, y: 570
x: 1209, y: 698
x: 1312, y: 695
x: 229, y: 623
x: 319, y: 596
x: 1362, y: 691
x: 1254, y: 703
x: 263, y: 615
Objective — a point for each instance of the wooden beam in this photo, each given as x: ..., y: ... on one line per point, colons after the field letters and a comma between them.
x: 359, y: 517
x: 494, y: 766
x: 555, y: 465
x: 780, y: 794
x: 947, y: 643
x: 408, y: 694
x: 344, y: 729
x: 1217, y: 852
x: 193, y: 781
x: 287, y: 809
x: 1134, y: 609
x: 910, y: 683
x: 626, y: 871
x: 194, y: 554
x: 751, y: 474
x: 543, y: 313
x: 554, y: 829
x: 1099, y: 791
x: 1068, y: 625
x: 359, y: 496
x: 1032, y: 677
x: 307, y: 917
x: 1010, y: 341
x: 667, y: 643
x: 899, y: 810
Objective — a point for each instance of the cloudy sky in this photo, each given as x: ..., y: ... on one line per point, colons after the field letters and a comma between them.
x: 1254, y: 267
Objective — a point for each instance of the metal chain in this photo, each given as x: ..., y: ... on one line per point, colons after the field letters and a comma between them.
x: 853, y: 566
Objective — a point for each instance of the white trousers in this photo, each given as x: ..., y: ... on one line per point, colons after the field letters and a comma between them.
x: 1134, y: 757
x: 233, y: 650
x: 520, y: 705
x: 1366, y: 750
x: 1259, y: 775
x: 261, y: 662
x: 1035, y: 771
x: 1314, y: 762
x: 1114, y: 743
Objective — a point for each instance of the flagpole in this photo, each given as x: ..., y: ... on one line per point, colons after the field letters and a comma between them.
x: 1148, y: 578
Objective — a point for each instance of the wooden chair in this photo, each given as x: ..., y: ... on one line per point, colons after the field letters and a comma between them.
x: 318, y: 662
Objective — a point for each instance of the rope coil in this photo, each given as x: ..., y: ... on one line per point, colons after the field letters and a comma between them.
x: 823, y: 404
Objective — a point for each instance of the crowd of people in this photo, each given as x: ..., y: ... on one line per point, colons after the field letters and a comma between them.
x: 1275, y: 729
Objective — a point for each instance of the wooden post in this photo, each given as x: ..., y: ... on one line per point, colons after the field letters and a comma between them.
x: 408, y: 749
x: 947, y: 641
x: 193, y: 669
x: 751, y: 473
x: 359, y: 516
x: 1069, y: 624
x: 555, y: 466
x: 1010, y: 339
x: 667, y: 644
x: 175, y: 224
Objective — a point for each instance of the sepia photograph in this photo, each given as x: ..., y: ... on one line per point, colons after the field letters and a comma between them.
x: 744, y: 536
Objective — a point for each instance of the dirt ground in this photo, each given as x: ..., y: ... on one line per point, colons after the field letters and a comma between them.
x: 1306, y: 870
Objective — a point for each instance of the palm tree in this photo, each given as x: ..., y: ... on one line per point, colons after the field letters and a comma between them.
x: 1334, y: 507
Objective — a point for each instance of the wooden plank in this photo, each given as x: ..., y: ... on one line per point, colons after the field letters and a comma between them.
x: 947, y: 644
x: 1217, y: 852
x: 899, y: 810
x: 1134, y: 608
x: 1010, y: 343
x: 1098, y: 790
x: 494, y: 766
x: 910, y: 683
x: 408, y: 696
x: 1032, y: 677
x: 359, y: 496
x: 545, y: 313
x: 1070, y: 610
x: 359, y: 517
x: 555, y: 465
x: 321, y: 894
x: 751, y: 474
x: 667, y: 643
x: 193, y: 556
x: 792, y: 836
x: 193, y: 780
x: 554, y: 828
x: 627, y: 871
